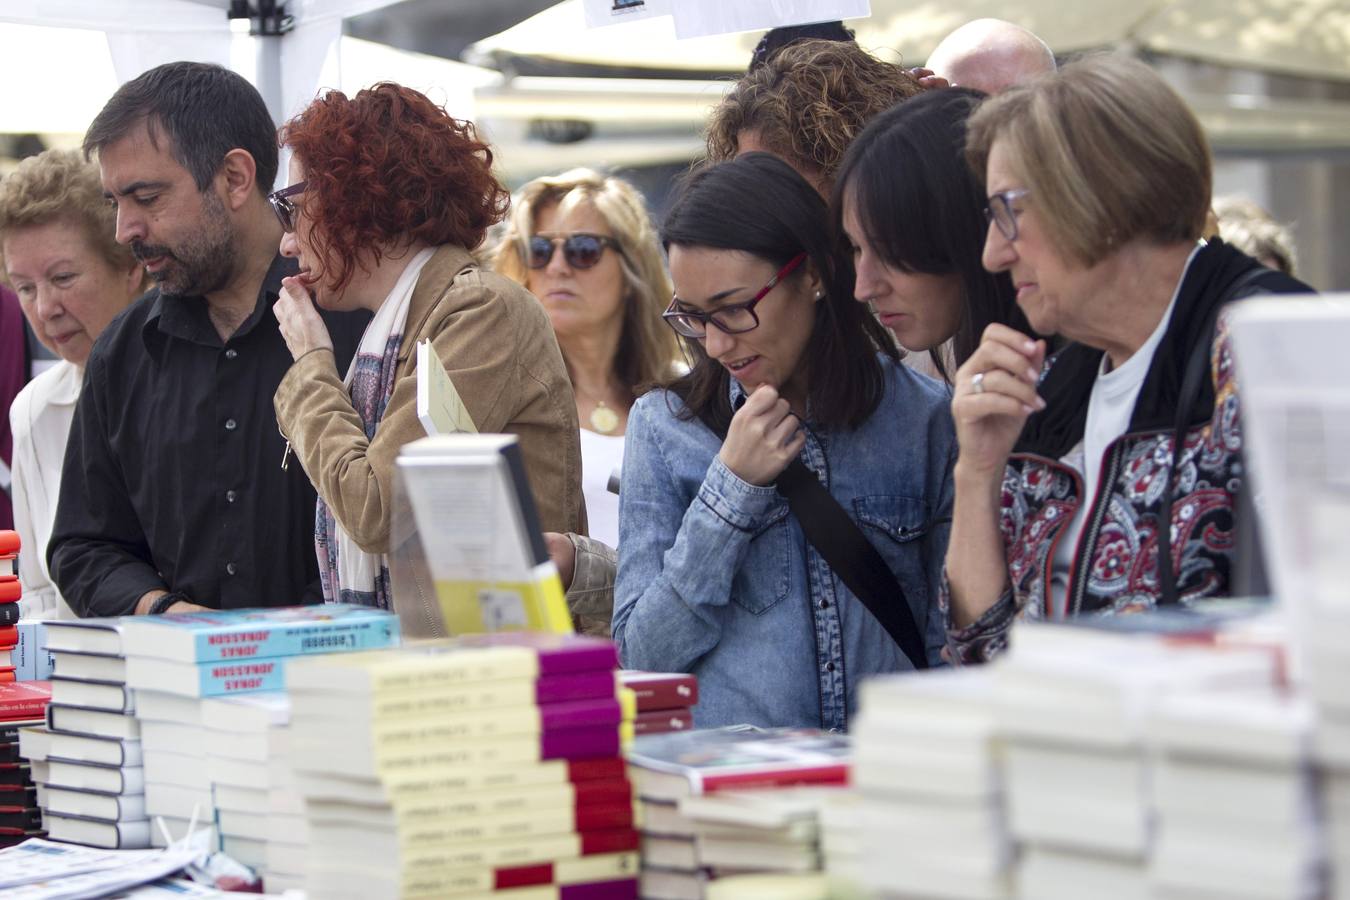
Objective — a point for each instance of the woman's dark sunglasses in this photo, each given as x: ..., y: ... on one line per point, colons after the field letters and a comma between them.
x: 581, y: 250
x: 283, y: 206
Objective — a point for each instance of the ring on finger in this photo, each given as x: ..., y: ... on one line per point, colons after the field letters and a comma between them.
x: 977, y: 383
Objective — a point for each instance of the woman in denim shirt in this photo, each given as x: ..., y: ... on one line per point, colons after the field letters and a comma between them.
x: 715, y: 576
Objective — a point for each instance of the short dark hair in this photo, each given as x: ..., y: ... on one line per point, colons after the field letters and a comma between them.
x: 759, y: 205
x: 785, y: 36
x: 205, y: 110
x: 920, y: 205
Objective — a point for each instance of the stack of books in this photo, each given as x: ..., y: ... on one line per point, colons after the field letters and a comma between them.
x: 1071, y: 702
x: 1236, y: 797
x: 10, y: 592
x: 238, y: 764
x: 94, y: 791
x: 1328, y: 674
x: 928, y: 777
x: 665, y: 700
x: 721, y: 801
x: 287, y: 832
x: 478, y: 763
x: 177, y: 662
x: 22, y: 708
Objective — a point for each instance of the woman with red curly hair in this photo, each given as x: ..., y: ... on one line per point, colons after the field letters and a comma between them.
x: 388, y: 195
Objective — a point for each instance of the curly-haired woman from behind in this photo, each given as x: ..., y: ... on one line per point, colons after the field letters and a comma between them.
x: 388, y: 194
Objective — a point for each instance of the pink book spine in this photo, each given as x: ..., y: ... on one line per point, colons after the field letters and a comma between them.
x: 581, y: 714
x: 577, y: 686
x: 619, y: 889
x: 580, y: 743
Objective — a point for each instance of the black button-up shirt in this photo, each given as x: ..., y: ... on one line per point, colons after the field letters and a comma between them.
x: 173, y: 477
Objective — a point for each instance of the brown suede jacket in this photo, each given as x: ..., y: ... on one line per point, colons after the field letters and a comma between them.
x: 496, y: 342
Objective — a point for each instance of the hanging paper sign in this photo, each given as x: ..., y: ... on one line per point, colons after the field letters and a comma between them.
x: 697, y: 18
x: 612, y: 12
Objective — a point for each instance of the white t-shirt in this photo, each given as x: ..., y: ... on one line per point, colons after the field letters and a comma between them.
x: 40, y: 419
x: 601, y: 456
x: 1110, y: 407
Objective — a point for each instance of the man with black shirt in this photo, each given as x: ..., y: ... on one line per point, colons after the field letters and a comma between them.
x: 173, y: 494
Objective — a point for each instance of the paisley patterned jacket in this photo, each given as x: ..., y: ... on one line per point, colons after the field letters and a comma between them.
x: 1116, y: 561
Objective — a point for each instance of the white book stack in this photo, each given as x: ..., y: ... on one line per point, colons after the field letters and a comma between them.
x: 177, y: 783
x: 237, y: 761
x: 287, y: 832
x: 930, y: 817
x: 1071, y: 704
x: 1236, y: 797
x: 94, y: 787
x: 841, y: 843
x: 1328, y: 673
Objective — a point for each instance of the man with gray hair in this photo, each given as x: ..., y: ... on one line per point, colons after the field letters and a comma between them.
x: 990, y: 55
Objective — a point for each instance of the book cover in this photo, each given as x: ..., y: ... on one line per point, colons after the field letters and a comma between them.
x: 109, y: 807
x: 99, y: 779
x: 213, y: 679
x: 661, y: 690
x: 9, y: 636
x: 439, y: 407
x: 248, y: 634
x: 10, y: 589
x: 88, y: 666
x: 9, y: 614
x: 668, y: 766
x: 26, y: 818
x: 94, y: 722
x: 91, y: 695
x: 410, y: 784
x: 33, y: 661
x: 95, y: 833
x: 99, y: 636
x: 24, y: 699
x: 575, y: 870
x: 39, y: 743
x: 457, y: 805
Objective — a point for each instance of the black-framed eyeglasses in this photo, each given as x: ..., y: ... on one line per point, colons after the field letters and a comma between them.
x: 1000, y: 211
x: 283, y: 206
x: 582, y: 250
x: 735, y: 318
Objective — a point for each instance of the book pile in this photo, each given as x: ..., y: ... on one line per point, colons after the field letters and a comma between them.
x: 94, y: 792
x: 22, y: 707
x: 10, y: 592
x: 928, y: 779
x: 665, y: 700
x: 1236, y: 799
x: 1328, y: 671
x: 729, y: 801
x: 479, y: 763
x: 287, y: 832
x: 176, y: 663
x: 1071, y: 703
x: 238, y: 764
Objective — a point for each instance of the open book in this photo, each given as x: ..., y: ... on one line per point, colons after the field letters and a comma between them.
x: 439, y: 406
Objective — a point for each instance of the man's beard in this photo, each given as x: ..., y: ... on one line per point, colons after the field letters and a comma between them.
x: 203, y: 261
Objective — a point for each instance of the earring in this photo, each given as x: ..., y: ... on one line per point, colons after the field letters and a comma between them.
x: 820, y: 295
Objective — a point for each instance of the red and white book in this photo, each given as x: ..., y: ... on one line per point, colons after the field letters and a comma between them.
x: 24, y: 699
x: 683, y: 764
x: 663, y: 721
x: 661, y: 690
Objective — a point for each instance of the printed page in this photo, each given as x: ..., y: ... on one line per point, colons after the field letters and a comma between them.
x: 612, y: 12
x: 697, y: 18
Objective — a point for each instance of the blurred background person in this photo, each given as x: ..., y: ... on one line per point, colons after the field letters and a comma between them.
x: 991, y: 55
x: 584, y: 244
x: 805, y: 105
x: 916, y: 231
x: 387, y: 196
x: 792, y: 379
x: 72, y: 277
x: 1257, y: 233
x: 1099, y: 181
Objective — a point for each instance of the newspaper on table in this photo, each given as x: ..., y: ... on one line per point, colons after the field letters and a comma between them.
x: 39, y: 869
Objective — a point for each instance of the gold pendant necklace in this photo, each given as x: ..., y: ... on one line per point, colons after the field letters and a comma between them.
x: 603, y: 419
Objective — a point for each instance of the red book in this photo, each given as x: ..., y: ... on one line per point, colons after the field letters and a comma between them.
x: 10, y: 589
x: 618, y: 840
x: 608, y: 769
x: 661, y: 690
x: 660, y: 721
x: 682, y: 764
x: 23, y: 699
x: 9, y: 636
x: 9, y: 544
x: 7, y: 676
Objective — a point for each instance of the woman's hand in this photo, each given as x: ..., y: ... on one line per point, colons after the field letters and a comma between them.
x: 299, y: 320
x: 763, y: 438
x: 994, y: 393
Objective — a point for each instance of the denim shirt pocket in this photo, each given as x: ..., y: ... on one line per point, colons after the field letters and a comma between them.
x: 765, y: 577
x: 896, y: 526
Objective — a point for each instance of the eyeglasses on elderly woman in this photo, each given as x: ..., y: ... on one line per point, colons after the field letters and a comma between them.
x: 283, y: 206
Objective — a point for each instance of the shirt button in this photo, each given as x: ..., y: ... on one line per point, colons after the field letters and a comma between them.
x: 824, y: 604
x: 231, y: 353
x: 231, y: 424
x: 829, y: 667
x: 230, y: 496
x: 231, y: 568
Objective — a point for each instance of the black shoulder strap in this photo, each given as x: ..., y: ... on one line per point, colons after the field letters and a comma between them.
x: 1197, y: 368
x: 852, y: 557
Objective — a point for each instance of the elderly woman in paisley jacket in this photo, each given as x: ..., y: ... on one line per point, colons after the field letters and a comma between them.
x: 1099, y: 182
